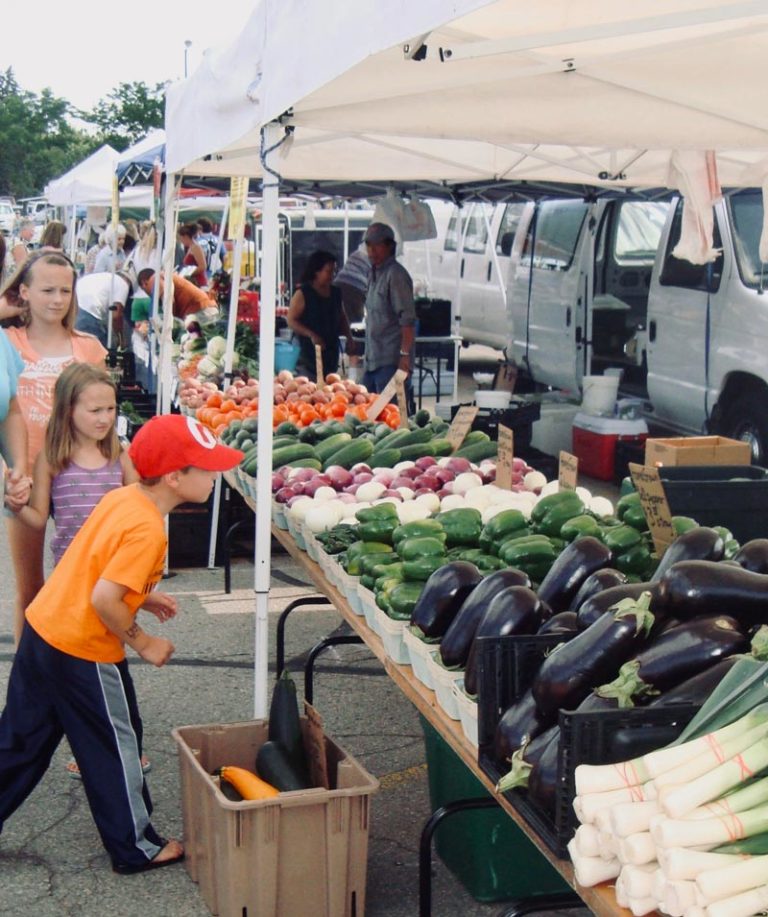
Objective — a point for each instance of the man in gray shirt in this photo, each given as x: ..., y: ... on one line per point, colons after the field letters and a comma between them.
x: 390, y: 315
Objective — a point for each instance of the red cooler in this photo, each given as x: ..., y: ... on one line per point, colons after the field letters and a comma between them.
x: 595, y: 438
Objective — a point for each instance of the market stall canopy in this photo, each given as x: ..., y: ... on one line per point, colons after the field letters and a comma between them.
x: 456, y: 90
x: 135, y: 164
x: 89, y: 182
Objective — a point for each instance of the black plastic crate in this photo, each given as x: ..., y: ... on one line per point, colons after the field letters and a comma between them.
x: 735, y: 496
x: 434, y: 317
x: 519, y: 417
x: 626, y: 451
x: 548, y: 465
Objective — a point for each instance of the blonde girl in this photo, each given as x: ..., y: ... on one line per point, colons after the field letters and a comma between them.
x: 82, y: 459
x: 42, y: 294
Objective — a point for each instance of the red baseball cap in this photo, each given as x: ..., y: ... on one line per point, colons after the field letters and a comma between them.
x: 171, y: 442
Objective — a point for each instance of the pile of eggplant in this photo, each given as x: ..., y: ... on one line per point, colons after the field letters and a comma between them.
x: 667, y: 641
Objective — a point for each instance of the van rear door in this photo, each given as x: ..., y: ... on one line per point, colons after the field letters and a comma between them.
x: 681, y: 307
x: 549, y: 286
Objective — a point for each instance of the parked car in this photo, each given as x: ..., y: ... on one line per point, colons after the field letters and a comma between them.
x: 7, y: 218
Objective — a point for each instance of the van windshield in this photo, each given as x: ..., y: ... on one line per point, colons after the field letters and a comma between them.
x: 747, y: 219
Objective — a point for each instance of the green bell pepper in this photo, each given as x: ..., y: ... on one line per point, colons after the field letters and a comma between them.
x: 551, y: 513
x: 501, y: 526
x: 377, y: 513
x: 414, y: 548
x: 403, y: 599
x: 631, y: 499
x: 421, y: 568
x: 356, y: 551
x: 527, y: 550
x: 578, y: 526
x: 369, y: 561
x: 636, y: 560
x: 462, y: 526
x: 421, y: 528
x: 377, y: 530
x: 683, y: 524
x: 621, y: 538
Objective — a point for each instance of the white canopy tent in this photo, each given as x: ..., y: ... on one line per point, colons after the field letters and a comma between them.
x: 86, y: 182
x: 601, y: 92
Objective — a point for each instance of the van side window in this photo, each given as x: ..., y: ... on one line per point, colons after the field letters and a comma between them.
x: 476, y: 236
x: 451, y: 234
x: 510, y: 221
x: 639, y: 231
x: 555, y: 228
x: 747, y: 220
x: 679, y: 273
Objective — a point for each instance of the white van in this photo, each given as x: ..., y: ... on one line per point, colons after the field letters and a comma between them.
x: 470, y: 255
x: 7, y: 218
x: 594, y: 285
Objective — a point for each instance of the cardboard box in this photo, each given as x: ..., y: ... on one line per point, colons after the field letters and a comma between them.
x: 297, y: 853
x: 697, y: 450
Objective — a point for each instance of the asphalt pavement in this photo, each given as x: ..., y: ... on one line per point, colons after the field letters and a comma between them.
x: 51, y: 859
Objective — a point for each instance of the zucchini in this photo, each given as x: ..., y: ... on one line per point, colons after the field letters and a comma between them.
x: 418, y: 450
x: 442, y: 447
x: 477, y: 451
x: 274, y: 766
x: 279, y: 441
x: 286, y: 428
x: 284, y: 721
x: 359, y: 450
x: 327, y: 447
x: 306, y: 463
x: 474, y: 437
x: 287, y: 454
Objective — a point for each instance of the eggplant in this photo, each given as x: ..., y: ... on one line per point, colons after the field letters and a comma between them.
x: 701, y: 543
x: 700, y: 587
x: 596, y: 606
x: 570, y: 673
x: 524, y: 758
x: 455, y: 645
x: 515, y: 610
x: 443, y: 595
x: 565, y: 622
x: 678, y: 654
x: 753, y: 555
x: 574, y: 564
x: 697, y: 688
x: 597, y: 582
x: 519, y: 724
x: 542, y: 779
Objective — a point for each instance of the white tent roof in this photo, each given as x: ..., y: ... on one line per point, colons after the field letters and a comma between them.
x: 87, y: 183
x: 557, y: 91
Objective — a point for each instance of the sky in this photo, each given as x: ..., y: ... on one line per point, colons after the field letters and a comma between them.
x: 77, y: 51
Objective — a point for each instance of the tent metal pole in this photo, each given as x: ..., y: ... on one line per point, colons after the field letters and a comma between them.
x: 270, y: 135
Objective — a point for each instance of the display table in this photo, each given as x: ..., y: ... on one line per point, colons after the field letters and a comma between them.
x: 601, y: 899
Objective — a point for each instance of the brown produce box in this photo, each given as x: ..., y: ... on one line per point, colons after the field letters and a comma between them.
x: 296, y: 853
x: 697, y: 450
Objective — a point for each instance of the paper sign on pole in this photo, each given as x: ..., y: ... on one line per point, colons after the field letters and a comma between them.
x: 238, y: 196
x: 505, y: 457
x: 320, y: 375
x: 386, y: 396
x: 568, y: 471
x: 402, y: 401
x: 314, y: 745
x: 461, y: 425
x: 654, y: 503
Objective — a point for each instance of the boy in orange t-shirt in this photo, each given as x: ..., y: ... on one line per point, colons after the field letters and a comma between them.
x: 70, y: 675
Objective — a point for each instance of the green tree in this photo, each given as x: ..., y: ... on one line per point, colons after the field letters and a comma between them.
x: 127, y: 113
x: 39, y: 141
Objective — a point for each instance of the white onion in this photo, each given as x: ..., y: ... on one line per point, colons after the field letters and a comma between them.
x: 466, y: 481
x: 584, y: 495
x: 325, y: 493
x: 402, y: 466
x: 370, y: 491
x: 431, y: 501
x: 600, y: 506
x: 534, y: 479
x: 452, y: 501
x: 412, y: 511
x: 405, y: 492
x: 323, y: 516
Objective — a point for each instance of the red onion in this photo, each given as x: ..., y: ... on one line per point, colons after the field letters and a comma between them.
x: 362, y: 477
x: 444, y: 475
x: 423, y: 490
x: 427, y: 481
x: 393, y: 493
x: 458, y: 465
x: 426, y: 461
x: 302, y: 474
x: 361, y: 467
x: 278, y: 481
x: 310, y: 487
x: 446, y: 490
x: 384, y: 476
x: 339, y: 477
x: 411, y: 473
x: 285, y: 494
x: 402, y: 481
x: 348, y: 497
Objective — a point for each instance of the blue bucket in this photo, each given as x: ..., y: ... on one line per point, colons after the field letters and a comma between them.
x: 286, y: 355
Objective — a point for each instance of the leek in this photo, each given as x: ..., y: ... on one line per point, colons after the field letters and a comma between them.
x: 637, y: 849
x: 756, y: 845
x: 749, y: 796
x: 587, y: 807
x: 744, y: 905
x: 678, y: 801
x: 632, y: 817
x: 727, y: 881
x: 591, y: 871
x: 641, y: 906
x: 587, y: 841
x: 682, y: 863
x: 638, y: 880
x: 602, y: 778
x: 712, y: 832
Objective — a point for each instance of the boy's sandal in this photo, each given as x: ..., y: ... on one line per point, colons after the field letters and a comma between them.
x: 74, y: 771
x: 131, y: 869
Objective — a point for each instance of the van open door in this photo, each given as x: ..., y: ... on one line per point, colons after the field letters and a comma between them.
x: 548, y: 294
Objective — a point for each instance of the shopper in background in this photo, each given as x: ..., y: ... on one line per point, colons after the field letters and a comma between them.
x: 111, y: 256
x: 22, y: 244
x: 98, y: 295
x: 353, y: 280
x: 52, y: 239
x: 43, y: 293
x: 93, y: 252
x: 390, y: 314
x: 188, y: 300
x: 209, y: 242
x: 194, y: 258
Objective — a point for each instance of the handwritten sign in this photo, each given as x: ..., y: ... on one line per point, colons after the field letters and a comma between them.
x: 461, y: 425
x: 654, y: 502
x: 402, y: 401
x: 505, y: 457
x: 314, y: 746
x: 319, y: 367
x: 386, y: 396
x: 568, y: 471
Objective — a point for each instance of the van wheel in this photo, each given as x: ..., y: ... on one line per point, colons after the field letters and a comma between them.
x: 747, y: 420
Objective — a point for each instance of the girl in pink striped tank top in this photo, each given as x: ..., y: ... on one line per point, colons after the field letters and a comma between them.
x: 82, y: 458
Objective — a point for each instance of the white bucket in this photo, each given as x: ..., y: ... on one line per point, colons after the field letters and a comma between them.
x: 599, y: 394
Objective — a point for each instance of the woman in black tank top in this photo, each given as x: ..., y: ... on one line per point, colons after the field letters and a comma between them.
x: 316, y: 316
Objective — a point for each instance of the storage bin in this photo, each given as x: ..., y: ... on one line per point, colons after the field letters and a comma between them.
x: 595, y: 440
x: 467, y: 707
x: 272, y: 857
x: 735, y: 496
x: 486, y: 851
x: 697, y: 450
x: 391, y: 633
x: 286, y: 355
x: 443, y: 680
x: 599, y: 394
x: 367, y: 601
x: 419, y: 652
